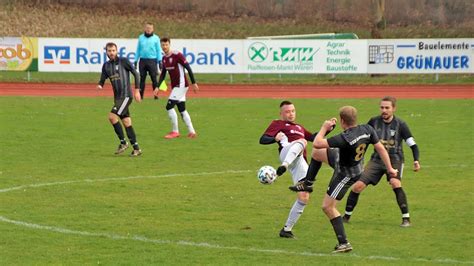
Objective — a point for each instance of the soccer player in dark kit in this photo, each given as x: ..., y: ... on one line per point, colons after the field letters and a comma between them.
x: 345, y: 154
x: 392, y: 131
x: 175, y: 63
x: 118, y: 70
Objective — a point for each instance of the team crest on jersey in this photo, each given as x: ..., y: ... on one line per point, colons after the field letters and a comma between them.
x: 171, y: 60
x: 392, y: 132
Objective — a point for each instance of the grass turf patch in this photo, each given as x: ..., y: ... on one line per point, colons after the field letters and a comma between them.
x: 219, y: 217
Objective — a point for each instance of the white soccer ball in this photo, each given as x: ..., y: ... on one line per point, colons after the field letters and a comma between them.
x: 266, y: 175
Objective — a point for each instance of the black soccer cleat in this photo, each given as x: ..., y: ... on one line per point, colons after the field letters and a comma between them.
x: 301, y: 186
x: 286, y: 234
x: 156, y: 97
x: 342, y: 248
x: 121, y: 148
x: 405, y: 222
x: 136, y: 153
x: 281, y: 170
x: 346, y: 218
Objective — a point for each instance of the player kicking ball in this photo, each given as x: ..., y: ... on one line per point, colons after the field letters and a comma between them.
x: 292, y: 139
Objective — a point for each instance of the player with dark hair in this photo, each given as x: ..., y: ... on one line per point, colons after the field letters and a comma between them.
x: 118, y: 70
x: 345, y: 154
x: 392, y: 131
x: 175, y: 63
x: 148, y: 57
x: 292, y: 139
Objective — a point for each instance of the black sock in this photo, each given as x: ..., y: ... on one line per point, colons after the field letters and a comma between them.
x: 401, y: 199
x: 352, y: 200
x: 339, y: 229
x: 312, y: 172
x: 119, y: 131
x: 132, y: 137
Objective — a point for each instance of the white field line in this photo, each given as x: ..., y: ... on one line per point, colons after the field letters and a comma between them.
x: 189, y: 243
x: 119, y: 179
x: 215, y: 246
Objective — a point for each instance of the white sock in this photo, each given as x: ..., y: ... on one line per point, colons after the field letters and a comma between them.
x: 187, y: 121
x: 174, y: 119
x: 295, y: 150
x: 295, y: 213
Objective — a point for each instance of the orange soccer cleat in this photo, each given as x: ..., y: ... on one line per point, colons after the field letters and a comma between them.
x: 172, y: 135
x: 192, y: 135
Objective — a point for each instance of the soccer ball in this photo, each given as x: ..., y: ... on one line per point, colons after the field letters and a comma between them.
x: 266, y: 175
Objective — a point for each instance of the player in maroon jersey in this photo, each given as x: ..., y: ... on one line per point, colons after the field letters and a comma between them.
x: 291, y: 138
x: 174, y: 63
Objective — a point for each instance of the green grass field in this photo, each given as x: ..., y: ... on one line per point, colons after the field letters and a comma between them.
x: 66, y: 199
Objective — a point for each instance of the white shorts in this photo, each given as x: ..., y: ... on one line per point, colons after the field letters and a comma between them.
x: 298, y: 167
x: 178, y: 94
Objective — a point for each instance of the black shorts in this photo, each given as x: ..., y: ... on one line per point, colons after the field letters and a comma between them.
x: 375, y: 169
x: 121, y: 107
x: 343, y: 177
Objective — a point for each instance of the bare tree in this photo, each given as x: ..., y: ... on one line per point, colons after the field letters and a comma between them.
x: 379, y: 22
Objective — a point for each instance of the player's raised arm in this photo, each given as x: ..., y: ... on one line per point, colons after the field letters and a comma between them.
x: 320, y: 142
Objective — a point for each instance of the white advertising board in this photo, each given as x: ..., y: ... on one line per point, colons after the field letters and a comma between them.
x: 88, y: 55
x: 276, y: 56
x: 410, y: 56
x: 305, y: 56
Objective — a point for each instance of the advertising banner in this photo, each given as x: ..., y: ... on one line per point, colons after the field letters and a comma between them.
x: 305, y: 56
x: 88, y: 55
x: 79, y: 55
x: 411, y: 56
x: 401, y: 56
x: 18, y: 54
x: 345, y: 56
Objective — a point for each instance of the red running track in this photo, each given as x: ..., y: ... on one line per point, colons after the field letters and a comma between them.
x: 255, y: 91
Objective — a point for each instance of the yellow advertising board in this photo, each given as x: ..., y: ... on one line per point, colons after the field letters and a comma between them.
x: 18, y: 54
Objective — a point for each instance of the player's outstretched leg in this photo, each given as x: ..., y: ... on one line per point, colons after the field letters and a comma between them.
x: 295, y: 149
x: 306, y: 184
x: 351, y: 203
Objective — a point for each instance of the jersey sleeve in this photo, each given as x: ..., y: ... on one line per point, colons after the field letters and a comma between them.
x: 405, y: 131
x: 337, y: 141
x: 103, y: 76
x: 181, y: 59
x: 374, y: 138
x: 308, y: 135
x: 137, y: 53
x: 272, y: 129
x: 128, y: 66
x: 371, y: 122
x: 159, y: 56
